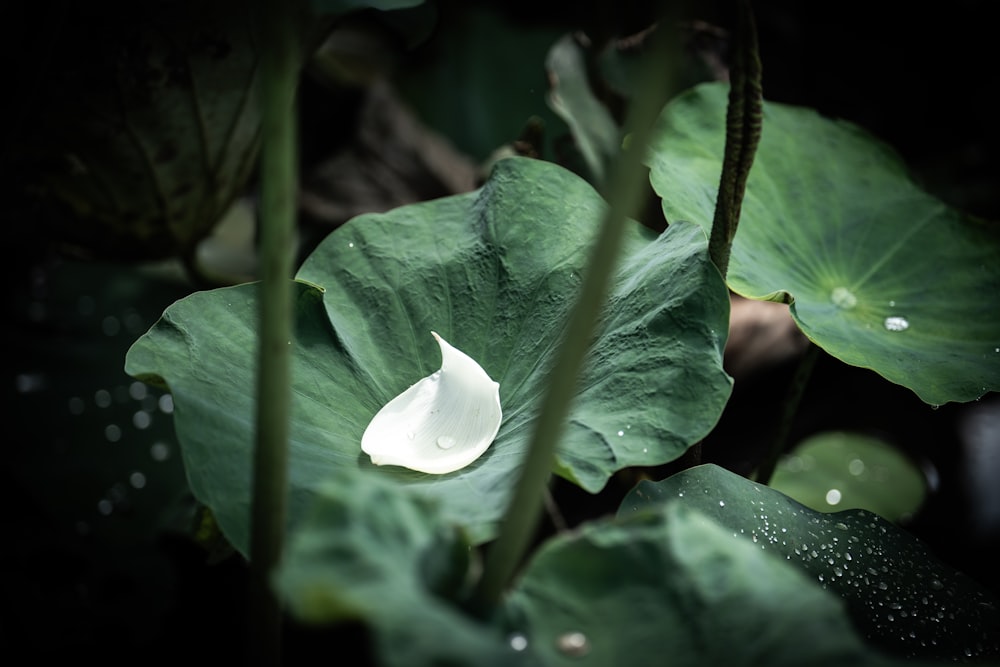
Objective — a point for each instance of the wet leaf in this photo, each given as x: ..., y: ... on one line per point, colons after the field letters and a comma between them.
x: 898, y: 594
x: 668, y: 581
x: 627, y: 591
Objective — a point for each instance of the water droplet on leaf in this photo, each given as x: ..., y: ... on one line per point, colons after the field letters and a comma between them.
x: 843, y: 298
x: 896, y: 323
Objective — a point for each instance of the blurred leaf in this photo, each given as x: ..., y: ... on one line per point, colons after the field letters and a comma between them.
x: 851, y: 471
x: 344, y: 6
x: 898, y: 594
x: 162, y: 134
x: 494, y: 272
x: 365, y: 552
x: 479, y: 80
x: 878, y: 273
x: 595, y: 131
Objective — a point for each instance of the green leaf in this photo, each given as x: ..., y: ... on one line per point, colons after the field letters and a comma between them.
x: 899, y: 595
x: 669, y: 586
x: 371, y: 551
x: 594, y: 129
x: 495, y: 273
x: 164, y: 132
x: 843, y: 470
x: 478, y: 79
x: 879, y: 273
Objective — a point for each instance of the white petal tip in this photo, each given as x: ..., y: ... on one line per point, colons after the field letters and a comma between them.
x: 442, y: 423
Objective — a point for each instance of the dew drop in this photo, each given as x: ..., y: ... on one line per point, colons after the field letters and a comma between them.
x: 573, y: 644
x: 517, y: 641
x: 445, y: 442
x: 159, y: 451
x: 833, y: 497
x: 102, y: 398
x: 137, y: 390
x: 843, y: 298
x: 896, y: 323
x: 141, y: 420
x: 722, y: 503
x: 621, y: 433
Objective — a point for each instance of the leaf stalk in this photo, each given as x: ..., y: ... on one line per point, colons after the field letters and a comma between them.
x: 279, y: 66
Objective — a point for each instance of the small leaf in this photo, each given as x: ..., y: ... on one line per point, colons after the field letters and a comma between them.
x: 843, y: 470
x: 570, y: 96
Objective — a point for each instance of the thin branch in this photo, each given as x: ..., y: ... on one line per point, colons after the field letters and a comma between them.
x: 279, y: 76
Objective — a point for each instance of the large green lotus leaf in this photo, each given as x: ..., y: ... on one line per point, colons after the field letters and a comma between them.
x: 670, y: 586
x: 879, y: 273
x: 899, y: 595
x: 495, y: 273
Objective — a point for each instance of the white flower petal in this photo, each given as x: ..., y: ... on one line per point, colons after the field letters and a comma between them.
x: 442, y: 423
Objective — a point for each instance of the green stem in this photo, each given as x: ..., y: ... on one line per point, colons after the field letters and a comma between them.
x: 627, y: 187
x: 743, y: 128
x: 790, y: 406
x: 278, y: 78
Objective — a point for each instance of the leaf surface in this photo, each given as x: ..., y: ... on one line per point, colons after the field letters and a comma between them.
x: 493, y: 272
x: 879, y: 273
x: 899, y: 595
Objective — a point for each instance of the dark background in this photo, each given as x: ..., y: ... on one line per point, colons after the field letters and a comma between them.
x: 101, y: 562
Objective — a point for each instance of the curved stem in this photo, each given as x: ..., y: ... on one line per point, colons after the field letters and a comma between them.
x: 625, y: 194
x: 790, y: 406
x: 743, y: 129
x: 278, y: 78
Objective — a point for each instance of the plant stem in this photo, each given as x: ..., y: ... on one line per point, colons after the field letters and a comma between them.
x: 743, y: 128
x: 790, y: 406
x: 625, y: 194
x: 278, y: 78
